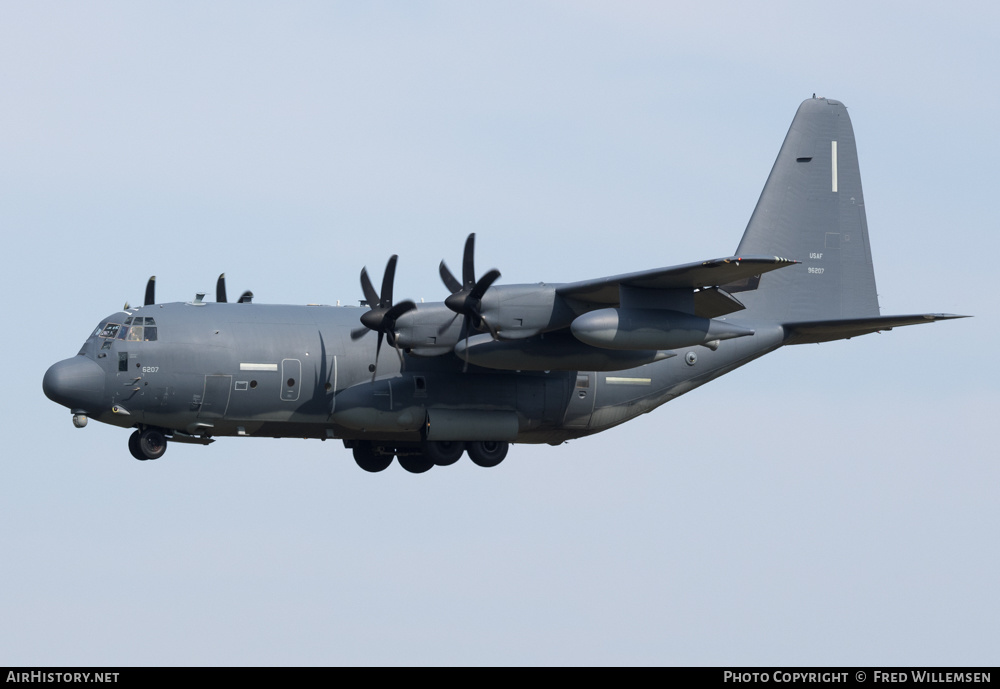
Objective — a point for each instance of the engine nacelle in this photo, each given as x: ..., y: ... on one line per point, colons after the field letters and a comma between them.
x: 650, y: 329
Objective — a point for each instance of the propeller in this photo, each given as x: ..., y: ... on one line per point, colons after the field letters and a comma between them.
x: 150, y: 297
x: 220, y: 292
x: 466, y: 298
x: 382, y: 314
x: 150, y: 292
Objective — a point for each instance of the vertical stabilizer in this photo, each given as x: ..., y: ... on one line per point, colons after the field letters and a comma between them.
x: 812, y: 210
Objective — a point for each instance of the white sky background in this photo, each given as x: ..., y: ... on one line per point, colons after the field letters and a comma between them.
x: 830, y: 504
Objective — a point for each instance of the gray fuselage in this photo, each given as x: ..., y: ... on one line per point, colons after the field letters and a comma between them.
x: 294, y: 371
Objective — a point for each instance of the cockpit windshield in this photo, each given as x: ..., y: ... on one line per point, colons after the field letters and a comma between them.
x: 135, y: 329
x: 109, y: 330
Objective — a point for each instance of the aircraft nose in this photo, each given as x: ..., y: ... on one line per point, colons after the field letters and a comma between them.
x: 77, y: 383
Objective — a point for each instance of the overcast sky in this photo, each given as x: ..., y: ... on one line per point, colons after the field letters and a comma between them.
x: 828, y: 504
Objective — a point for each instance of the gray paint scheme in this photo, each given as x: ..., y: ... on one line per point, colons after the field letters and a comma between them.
x: 567, y: 361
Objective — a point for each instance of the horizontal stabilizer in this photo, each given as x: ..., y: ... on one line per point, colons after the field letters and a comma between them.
x: 811, y: 332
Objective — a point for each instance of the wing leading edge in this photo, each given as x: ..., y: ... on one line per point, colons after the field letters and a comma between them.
x: 720, y: 271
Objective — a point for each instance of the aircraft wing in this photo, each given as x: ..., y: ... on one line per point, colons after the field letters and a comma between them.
x: 603, y: 292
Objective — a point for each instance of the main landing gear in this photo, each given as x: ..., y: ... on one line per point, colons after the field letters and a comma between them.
x: 417, y: 459
x: 148, y: 443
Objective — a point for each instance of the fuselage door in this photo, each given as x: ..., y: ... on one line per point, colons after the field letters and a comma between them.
x: 128, y: 342
x: 129, y: 378
x: 128, y: 390
x: 215, y: 398
x: 291, y: 379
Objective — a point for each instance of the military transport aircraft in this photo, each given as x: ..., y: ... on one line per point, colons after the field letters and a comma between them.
x: 495, y: 364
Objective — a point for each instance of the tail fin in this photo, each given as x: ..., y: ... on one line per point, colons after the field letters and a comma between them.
x: 812, y: 210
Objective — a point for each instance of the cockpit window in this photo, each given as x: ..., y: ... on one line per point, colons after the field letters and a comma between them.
x: 136, y: 329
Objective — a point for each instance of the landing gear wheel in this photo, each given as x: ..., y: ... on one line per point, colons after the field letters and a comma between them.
x: 370, y: 460
x: 487, y: 453
x: 444, y: 452
x: 133, y: 447
x: 415, y: 464
x: 152, y: 443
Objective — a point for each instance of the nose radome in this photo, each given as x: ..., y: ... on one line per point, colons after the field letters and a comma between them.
x: 77, y: 383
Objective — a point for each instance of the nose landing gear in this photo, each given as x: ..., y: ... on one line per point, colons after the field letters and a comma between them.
x: 147, y: 444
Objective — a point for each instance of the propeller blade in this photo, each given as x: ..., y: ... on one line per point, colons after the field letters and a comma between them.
x: 358, y: 333
x: 378, y: 348
x: 399, y: 353
x: 220, y: 289
x: 388, y: 277
x: 484, y: 284
x: 447, y: 325
x: 150, y: 292
x: 398, y: 310
x: 449, y: 280
x: 493, y: 332
x: 466, y: 326
x: 468, y: 267
x: 371, y: 296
